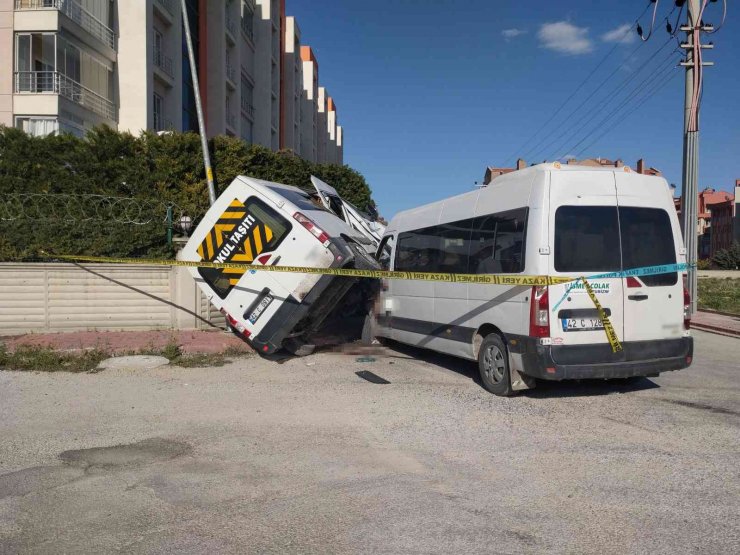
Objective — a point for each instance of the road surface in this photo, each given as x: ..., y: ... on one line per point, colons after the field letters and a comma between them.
x: 307, y: 457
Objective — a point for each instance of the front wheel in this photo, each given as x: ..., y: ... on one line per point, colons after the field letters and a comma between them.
x: 493, y: 363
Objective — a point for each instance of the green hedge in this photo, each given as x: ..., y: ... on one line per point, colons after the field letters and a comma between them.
x: 150, y: 167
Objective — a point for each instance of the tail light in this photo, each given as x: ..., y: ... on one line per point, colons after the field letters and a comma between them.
x: 686, y: 308
x: 539, y: 321
x: 315, y: 230
x: 238, y: 326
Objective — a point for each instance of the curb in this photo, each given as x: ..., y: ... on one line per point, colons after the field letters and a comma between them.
x: 712, y: 311
x: 716, y: 330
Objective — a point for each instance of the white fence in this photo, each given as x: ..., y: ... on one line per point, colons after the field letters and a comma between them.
x: 45, y: 298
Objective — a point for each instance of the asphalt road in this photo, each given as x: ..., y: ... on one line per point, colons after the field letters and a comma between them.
x: 307, y: 457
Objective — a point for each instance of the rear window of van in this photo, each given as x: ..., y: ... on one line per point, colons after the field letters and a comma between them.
x: 610, y: 239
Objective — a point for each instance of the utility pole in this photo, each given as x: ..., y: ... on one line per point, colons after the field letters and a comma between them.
x: 198, y: 105
x: 689, y: 190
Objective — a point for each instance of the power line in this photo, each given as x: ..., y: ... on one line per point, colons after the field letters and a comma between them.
x: 654, y: 91
x: 579, y: 87
x: 575, y: 126
x: 636, y: 91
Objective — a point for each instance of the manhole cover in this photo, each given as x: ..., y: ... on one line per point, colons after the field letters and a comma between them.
x: 135, y: 362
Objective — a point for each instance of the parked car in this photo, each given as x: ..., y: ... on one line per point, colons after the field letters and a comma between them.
x: 260, y: 223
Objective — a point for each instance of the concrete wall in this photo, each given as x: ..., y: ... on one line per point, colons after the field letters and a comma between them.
x: 44, y: 298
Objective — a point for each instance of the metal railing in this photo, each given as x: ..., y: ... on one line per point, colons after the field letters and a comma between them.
x: 231, y: 26
x: 76, y: 13
x: 168, y: 5
x: 231, y: 73
x: 164, y: 63
x: 54, y: 82
x: 248, y: 27
x: 247, y: 108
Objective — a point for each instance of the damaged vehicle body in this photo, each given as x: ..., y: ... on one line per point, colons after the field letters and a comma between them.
x: 260, y: 223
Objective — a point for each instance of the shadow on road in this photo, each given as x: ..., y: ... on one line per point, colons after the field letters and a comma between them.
x: 544, y: 389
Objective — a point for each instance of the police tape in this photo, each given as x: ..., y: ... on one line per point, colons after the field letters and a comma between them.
x: 481, y: 279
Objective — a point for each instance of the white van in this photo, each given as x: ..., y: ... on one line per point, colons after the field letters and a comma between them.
x: 262, y: 223
x: 549, y: 219
x: 368, y: 226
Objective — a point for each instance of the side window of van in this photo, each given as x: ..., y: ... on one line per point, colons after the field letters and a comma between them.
x: 383, y: 255
x: 492, y: 244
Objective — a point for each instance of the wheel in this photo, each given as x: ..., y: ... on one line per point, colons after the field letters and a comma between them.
x: 493, y: 363
x: 298, y: 348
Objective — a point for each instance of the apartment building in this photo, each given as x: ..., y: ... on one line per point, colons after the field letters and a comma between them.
x: 68, y: 65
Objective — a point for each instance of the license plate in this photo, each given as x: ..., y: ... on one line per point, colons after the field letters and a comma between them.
x: 260, y: 308
x: 582, y: 324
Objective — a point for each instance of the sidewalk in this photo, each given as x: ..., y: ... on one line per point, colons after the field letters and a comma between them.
x: 117, y: 342
x: 716, y: 323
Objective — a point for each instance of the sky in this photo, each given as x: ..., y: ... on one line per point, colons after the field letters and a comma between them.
x: 431, y: 92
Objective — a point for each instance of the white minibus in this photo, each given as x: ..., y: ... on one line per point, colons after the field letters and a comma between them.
x: 257, y: 222
x: 549, y: 219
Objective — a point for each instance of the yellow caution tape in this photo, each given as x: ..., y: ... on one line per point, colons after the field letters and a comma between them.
x: 611, y: 335
x: 483, y: 279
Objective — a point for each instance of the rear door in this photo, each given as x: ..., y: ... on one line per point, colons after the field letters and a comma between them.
x: 584, y: 231
x: 653, y: 304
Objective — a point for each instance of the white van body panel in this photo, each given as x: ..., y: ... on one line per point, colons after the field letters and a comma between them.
x: 373, y: 231
x: 448, y: 317
x: 270, y: 235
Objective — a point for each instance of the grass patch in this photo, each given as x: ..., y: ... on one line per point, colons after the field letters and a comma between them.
x: 719, y: 294
x: 46, y: 359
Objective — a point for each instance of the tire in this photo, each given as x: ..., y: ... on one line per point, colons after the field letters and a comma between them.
x: 493, y: 364
x: 298, y: 348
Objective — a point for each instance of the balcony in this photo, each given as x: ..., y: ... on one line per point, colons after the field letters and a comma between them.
x: 231, y: 121
x: 247, y: 108
x: 230, y: 75
x: 166, y: 9
x: 163, y: 63
x: 248, y: 28
x: 230, y: 30
x: 76, y: 13
x: 53, y: 82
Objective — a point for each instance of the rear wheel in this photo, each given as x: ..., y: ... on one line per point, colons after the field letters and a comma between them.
x: 493, y: 363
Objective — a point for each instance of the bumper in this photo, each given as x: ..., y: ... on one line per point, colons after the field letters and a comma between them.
x: 573, y: 362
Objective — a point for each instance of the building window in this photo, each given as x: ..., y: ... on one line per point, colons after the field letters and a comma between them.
x: 248, y: 19
x: 247, y: 130
x: 38, y: 127
x: 247, y: 97
x: 158, y: 111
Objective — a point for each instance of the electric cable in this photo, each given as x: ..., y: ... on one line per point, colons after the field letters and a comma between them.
x: 576, y: 124
x: 626, y: 116
x: 636, y: 92
x: 577, y: 89
x: 652, y: 24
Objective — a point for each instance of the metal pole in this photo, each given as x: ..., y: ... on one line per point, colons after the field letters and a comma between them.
x: 198, y: 105
x: 690, y: 178
x: 169, y: 225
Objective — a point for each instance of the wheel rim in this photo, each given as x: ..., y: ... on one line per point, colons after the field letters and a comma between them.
x: 494, y: 364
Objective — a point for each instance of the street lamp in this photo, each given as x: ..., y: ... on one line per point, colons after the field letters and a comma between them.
x: 186, y: 224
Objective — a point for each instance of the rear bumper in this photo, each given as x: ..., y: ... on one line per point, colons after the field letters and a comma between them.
x: 573, y: 362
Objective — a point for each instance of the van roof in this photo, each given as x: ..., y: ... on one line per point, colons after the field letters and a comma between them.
x: 517, y: 175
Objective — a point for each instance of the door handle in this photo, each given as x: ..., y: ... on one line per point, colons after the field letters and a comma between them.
x: 641, y: 297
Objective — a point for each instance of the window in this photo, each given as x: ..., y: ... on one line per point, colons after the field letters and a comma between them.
x: 490, y: 244
x: 647, y: 240
x: 158, y: 111
x: 588, y: 239
x: 383, y: 254
x: 38, y: 127
x: 264, y: 216
x: 302, y: 200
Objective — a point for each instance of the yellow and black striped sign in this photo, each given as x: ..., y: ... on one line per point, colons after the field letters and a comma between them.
x: 237, y: 238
